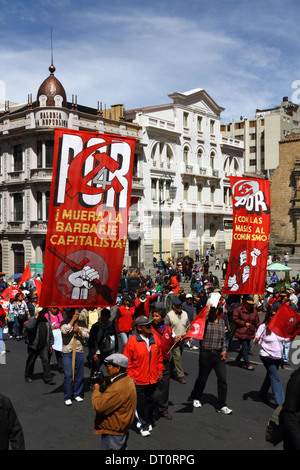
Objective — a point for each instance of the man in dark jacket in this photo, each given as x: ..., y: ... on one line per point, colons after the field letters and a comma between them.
x: 10, y: 428
x: 103, y: 340
x: 40, y: 341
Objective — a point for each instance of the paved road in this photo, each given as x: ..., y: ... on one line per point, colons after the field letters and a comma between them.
x: 49, y: 425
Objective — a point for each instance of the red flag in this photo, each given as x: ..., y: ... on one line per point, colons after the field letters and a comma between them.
x: 247, y: 267
x: 10, y: 292
x: 25, y: 276
x: 286, y: 322
x: 38, y: 285
x: 197, y: 326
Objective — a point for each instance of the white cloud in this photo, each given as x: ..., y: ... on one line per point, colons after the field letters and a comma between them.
x: 137, y: 56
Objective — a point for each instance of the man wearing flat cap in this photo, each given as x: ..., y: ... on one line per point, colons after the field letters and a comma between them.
x: 145, y: 367
x: 115, y: 407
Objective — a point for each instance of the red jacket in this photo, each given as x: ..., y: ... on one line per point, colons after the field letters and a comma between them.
x: 166, y: 337
x: 175, y: 285
x: 124, y: 319
x: 143, y: 366
x: 143, y: 308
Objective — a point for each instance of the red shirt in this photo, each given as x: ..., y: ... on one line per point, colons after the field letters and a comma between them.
x: 125, y: 320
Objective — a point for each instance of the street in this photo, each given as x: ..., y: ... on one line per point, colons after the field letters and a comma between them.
x: 50, y: 425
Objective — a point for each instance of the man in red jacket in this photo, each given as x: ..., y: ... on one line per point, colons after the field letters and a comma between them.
x: 167, y: 339
x: 145, y: 367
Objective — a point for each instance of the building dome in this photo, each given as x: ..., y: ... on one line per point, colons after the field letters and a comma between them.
x: 51, y: 88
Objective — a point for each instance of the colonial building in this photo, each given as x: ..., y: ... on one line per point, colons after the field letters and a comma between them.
x: 183, y: 147
x: 262, y: 133
x: 285, y: 196
x: 26, y: 154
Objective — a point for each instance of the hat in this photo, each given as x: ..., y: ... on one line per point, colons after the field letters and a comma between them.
x: 270, y: 289
x: 142, y: 320
x: 188, y: 296
x: 117, y: 359
x: 291, y: 288
x: 176, y: 301
x: 249, y: 299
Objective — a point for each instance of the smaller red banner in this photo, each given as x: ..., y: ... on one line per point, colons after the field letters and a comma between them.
x: 286, y: 322
x: 197, y: 326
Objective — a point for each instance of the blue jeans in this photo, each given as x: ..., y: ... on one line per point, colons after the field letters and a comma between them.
x: 78, y: 377
x: 272, y: 379
x: 286, y: 351
x: 244, y: 344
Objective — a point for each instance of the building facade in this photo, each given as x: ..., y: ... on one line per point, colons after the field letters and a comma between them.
x: 261, y: 135
x: 183, y: 147
x: 26, y: 155
x: 285, y: 196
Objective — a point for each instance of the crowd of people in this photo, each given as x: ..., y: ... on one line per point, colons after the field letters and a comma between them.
x: 140, y: 342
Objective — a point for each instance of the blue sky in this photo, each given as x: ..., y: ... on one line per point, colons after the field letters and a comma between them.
x: 244, y: 54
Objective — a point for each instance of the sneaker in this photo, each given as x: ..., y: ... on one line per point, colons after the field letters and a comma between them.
x: 145, y: 432
x: 78, y: 398
x: 224, y: 410
x: 194, y: 348
x: 196, y: 404
x: 68, y: 402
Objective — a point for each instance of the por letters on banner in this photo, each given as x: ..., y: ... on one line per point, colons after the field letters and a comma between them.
x: 88, y: 219
x: 247, y: 266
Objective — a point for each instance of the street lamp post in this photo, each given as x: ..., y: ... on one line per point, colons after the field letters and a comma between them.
x: 172, y: 192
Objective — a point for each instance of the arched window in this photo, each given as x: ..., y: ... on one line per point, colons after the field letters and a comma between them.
x: 212, y: 160
x: 186, y: 155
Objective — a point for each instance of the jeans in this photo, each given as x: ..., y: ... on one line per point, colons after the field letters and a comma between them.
x: 272, y: 379
x: 123, y: 338
x: 207, y: 361
x: 114, y: 442
x: 244, y: 344
x: 286, y: 351
x: 78, y: 377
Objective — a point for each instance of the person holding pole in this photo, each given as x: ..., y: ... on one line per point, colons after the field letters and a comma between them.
x: 74, y: 332
x: 178, y: 320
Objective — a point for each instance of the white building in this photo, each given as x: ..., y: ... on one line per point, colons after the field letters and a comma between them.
x: 182, y: 142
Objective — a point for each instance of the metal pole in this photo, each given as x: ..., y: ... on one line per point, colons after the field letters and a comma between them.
x: 160, y: 264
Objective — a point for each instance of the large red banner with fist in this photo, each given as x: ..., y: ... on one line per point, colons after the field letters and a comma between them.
x: 88, y: 219
x: 246, y: 270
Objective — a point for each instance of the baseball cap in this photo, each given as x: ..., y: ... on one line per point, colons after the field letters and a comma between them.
x: 176, y: 301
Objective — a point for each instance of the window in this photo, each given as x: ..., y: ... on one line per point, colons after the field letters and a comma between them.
x: 186, y: 155
x: 17, y: 213
x: 212, y: 160
x: 199, y: 192
x: 45, y: 154
x: 49, y: 153
x: 199, y: 123
x: 154, y: 190
x: 200, y: 157
x: 212, y: 127
x: 186, y: 191
x: 212, y: 194
x: 18, y: 158
x: 185, y: 119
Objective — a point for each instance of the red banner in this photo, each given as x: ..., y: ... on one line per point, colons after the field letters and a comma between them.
x: 246, y: 270
x: 88, y: 219
x: 286, y: 322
